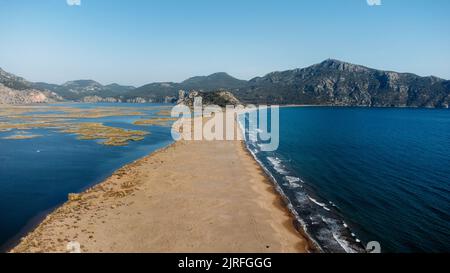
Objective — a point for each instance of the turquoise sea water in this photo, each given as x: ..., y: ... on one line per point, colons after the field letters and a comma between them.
x: 356, y: 175
x: 37, y: 174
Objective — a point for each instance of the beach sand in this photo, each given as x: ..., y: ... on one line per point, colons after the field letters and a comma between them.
x: 193, y: 196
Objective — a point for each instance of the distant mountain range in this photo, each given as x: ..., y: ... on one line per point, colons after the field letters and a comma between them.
x: 331, y: 82
x: 76, y: 90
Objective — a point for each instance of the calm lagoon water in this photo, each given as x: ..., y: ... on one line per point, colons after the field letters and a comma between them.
x: 356, y: 175
x: 37, y: 174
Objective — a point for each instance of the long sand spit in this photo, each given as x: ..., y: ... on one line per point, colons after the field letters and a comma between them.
x: 193, y: 196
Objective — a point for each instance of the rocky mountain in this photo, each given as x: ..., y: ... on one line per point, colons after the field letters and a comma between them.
x: 334, y: 82
x: 331, y: 82
x: 12, y: 81
x: 77, y: 90
x: 153, y: 92
x: 26, y: 96
x: 118, y: 89
x: 220, y: 98
x: 159, y: 92
x: 212, y: 82
x: 83, y: 87
x: 16, y: 90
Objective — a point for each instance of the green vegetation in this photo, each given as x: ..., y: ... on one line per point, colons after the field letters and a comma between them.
x: 155, y: 121
x: 19, y: 137
x: 66, y: 119
x: 112, y: 136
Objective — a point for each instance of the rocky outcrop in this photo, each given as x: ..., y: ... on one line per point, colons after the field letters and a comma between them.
x: 221, y: 98
x: 181, y: 96
x: 16, y: 90
x: 12, y: 81
x: 29, y: 96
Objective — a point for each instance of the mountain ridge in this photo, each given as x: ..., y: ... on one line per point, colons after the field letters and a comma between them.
x: 330, y: 82
x: 334, y: 82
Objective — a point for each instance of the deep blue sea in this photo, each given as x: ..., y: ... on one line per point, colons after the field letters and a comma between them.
x: 37, y: 174
x: 358, y: 175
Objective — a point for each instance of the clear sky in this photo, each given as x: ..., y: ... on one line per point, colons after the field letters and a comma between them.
x: 141, y: 41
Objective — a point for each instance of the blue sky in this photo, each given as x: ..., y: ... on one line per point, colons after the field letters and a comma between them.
x: 141, y: 41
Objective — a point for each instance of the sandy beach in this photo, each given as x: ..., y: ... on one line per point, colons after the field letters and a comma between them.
x: 193, y: 196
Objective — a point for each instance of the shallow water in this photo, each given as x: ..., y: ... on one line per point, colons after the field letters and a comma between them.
x: 356, y: 175
x: 37, y: 174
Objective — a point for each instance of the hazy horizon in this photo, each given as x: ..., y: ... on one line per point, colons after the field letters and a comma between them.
x: 136, y: 43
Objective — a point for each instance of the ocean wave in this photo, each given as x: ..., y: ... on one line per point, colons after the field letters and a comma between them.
x: 301, y: 197
x: 292, y: 182
x: 293, y: 179
x: 319, y: 204
x: 277, y: 165
x: 337, y: 232
x: 326, y: 234
x: 343, y: 243
x: 288, y: 202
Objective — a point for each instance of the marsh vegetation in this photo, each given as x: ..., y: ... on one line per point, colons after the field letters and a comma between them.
x: 83, y: 122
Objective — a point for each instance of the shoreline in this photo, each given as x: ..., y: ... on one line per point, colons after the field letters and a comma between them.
x: 313, y: 246
x: 117, y: 214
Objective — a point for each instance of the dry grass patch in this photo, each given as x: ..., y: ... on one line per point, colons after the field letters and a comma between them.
x: 112, y: 136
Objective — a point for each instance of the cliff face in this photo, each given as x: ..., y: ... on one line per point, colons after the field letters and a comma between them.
x: 16, y: 90
x: 11, y: 96
x: 334, y: 82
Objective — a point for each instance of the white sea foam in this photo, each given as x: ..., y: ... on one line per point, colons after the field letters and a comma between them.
x: 319, y: 204
x: 336, y: 233
x: 301, y: 197
x: 343, y: 243
x: 293, y: 181
x: 277, y: 165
